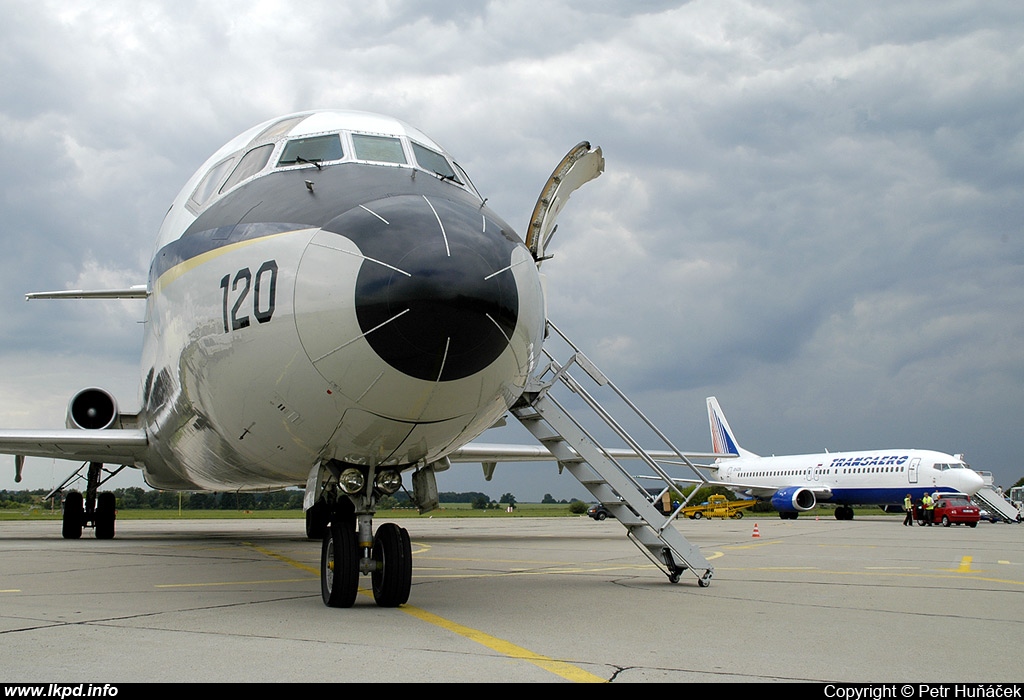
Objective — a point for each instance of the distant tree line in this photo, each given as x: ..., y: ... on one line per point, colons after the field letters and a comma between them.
x: 133, y: 498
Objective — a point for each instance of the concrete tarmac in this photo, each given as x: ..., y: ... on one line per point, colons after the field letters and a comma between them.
x: 517, y: 600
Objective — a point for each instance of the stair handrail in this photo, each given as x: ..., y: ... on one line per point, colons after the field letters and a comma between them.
x: 562, y: 374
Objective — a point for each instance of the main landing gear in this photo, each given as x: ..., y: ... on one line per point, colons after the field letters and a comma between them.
x: 844, y: 512
x: 91, y: 510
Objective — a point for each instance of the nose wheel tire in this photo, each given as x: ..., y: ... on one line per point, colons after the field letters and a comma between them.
x: 339, y: 565
x: 392, y: 575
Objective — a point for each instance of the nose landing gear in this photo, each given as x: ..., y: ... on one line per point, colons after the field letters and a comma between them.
x: 346, y: 553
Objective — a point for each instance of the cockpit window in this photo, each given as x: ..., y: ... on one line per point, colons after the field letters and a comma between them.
x: 382, y: 149
x: 314, y: 149
x: 279, y: 128
x: 434, y: 162
x: 208, y: 185
x: 251, y: 163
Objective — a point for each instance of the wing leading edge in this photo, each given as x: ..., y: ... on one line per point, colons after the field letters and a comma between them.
x: 137, y: 291
x: 484, y: 452
x: 112, y: 446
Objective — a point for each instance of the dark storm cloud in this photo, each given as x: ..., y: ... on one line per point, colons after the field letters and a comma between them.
x: 811, y: 210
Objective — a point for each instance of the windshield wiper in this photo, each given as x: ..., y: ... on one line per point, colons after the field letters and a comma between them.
x: 300, y: 159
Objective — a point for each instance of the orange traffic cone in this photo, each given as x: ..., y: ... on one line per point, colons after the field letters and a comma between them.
x: 756, y: 533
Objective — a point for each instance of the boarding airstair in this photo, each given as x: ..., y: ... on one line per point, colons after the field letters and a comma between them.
x: 995, y: 502
x: 567, y: 419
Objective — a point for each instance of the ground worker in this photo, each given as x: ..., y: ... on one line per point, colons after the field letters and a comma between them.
x: 908, y: 505
x: 927, y: 508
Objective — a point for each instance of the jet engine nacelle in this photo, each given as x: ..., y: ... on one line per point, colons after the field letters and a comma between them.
x: 92, y: 409
x: 794, y: 498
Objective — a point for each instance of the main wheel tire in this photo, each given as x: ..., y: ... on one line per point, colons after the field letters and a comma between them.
x: 392, y: 579
x: 74, y: 514
x: 339, y: 565
x: 106, y: 514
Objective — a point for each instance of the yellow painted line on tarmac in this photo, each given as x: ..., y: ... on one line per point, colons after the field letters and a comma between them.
x: 436, y: 572
x: 965, y: 565
x: 287, y: 560
x: 559, y: 668
x: 261, y: 550
x: 953, y: 574
x: 215, y: 584
x: 753, y: 545
x: 10, y: 590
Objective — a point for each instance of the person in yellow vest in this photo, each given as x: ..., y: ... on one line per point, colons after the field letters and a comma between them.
x: 928, y: 508
x: 908, y: 505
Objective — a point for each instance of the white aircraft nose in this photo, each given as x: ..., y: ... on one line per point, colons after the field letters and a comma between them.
x: 435, y: 298
x: 429, y: 280
x: 419, y: 308
x: 964, y: 480
x: 972, y: 482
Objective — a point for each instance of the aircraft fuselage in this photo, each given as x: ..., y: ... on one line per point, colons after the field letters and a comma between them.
x: 882, y: 477
x: 352, y: 299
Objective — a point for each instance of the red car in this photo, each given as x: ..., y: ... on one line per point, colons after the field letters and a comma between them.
x: 953, y: 508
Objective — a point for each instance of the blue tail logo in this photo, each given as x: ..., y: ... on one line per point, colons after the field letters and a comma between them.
x: 722, y: 440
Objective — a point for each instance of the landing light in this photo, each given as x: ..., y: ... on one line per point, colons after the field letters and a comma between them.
x: 352, y: 481
x: 388, y: 482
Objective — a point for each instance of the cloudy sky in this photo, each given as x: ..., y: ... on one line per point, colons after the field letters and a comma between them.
x: 810, y: 210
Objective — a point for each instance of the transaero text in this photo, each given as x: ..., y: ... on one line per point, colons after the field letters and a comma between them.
x: 883, y: 460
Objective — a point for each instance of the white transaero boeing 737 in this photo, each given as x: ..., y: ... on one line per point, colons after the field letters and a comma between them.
x: 330, y: 303
x: 796, y: 483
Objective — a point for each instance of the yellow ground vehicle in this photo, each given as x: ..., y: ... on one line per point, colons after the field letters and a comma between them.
x: 717, y: 506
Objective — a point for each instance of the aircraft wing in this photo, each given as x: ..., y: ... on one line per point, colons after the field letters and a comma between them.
x: 483, y: 452
x: 757, y: 490
x: 137, y: 291
x: 111, y: 446
x: 821, y: 493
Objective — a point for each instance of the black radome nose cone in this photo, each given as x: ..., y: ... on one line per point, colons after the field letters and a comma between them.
x: 435, y: 296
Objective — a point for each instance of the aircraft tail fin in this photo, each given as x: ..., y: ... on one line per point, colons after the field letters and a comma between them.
x: 723, y: 440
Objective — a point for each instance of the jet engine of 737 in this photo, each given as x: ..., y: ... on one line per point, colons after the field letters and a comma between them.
x: 793, y: 500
